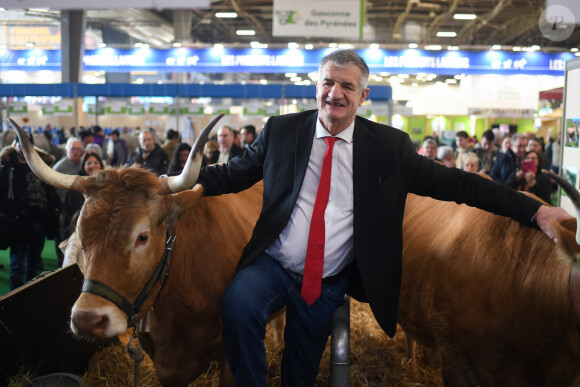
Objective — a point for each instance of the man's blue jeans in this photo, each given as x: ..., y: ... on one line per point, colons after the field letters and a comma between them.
x: 257, y: 291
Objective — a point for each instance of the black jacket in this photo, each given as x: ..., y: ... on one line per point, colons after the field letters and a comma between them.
x: 157, y: 160
x: 385, y: 168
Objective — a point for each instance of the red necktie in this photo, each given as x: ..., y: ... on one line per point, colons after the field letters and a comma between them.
x: 312, y: 280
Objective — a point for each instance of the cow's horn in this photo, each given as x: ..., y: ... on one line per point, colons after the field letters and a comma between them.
x: 38, y: 166
x: 573, y: 194
x: 190, y: 172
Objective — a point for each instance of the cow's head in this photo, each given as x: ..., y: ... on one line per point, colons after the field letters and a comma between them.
x: 123, y: 230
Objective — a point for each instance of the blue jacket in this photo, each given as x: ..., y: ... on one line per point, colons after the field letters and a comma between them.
x: 504, y: 166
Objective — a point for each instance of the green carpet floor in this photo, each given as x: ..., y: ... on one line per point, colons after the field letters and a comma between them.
x: 48, y: 259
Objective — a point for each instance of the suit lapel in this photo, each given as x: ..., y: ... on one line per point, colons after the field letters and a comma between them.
x: 361, y: 165
x: 302, y: 149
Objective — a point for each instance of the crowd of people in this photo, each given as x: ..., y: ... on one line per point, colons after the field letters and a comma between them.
x: 37, y: 211
x: 516, y: 160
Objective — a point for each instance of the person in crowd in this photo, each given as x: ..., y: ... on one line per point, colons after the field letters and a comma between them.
x: 471, y: 162
x: 131, y: 140
x: 55, y: 151
x: 536, y: 144
x: 90, y: 164
x: 430, y: 148
x: 210, y: 150
x: 318, y: 237
x: 171, y: 141
x: 445, y: 154
x: 149, y: 155
x: 237, y: 138
x: 247, y: 135
x: 119, y: 149
x: 498, y: 137
x: 179, y: 158
x: 529, y: 177
x: 100, y: 139
x: 507, y: 163
x: 506, y: 143
x: 227, y: 149
x: 33, y: 208
x: 553, y: 153
x: 69, y: 165
x: 486, y: 151
x: 86, y: 137
x: 463, y: 146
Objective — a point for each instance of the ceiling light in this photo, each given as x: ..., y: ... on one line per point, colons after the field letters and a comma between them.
x: 464, y: 16
x: 433, y: 47
x: 345, y: 46
x: 332, y: 45
x: 218, y: 46
x: 451, y: 80
x: 290, y: 75
x: 228, y: 15
x: 496, y: 47
x: 374, y: 46
x: 102, y: 45
x: 263, y: 82
x: 295, y: 79
x: 293, y: 45
x: 403, y: 76
x: 255, y: 44
x: 516, y: 48
x: 414, y: 84
x: 577, y: 53
x: 413, y: 45
x: 245, y: 32
x: 452, y: 48
x: 574, y: 49
x: 309, y: 46
x: 29, y: 44
x: 446, y: 34
x: 535, y: 47
x: 176, y: 44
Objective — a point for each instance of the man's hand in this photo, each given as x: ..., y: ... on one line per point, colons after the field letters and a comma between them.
x: 545, y: 214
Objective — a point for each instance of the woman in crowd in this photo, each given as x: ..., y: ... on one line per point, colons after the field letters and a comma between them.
x: 179, y: 158
x: 529, y: 177
x: 91, y: 163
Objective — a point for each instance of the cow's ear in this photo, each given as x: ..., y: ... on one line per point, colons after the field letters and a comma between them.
x: 568, y: 249
x: 185, y: 200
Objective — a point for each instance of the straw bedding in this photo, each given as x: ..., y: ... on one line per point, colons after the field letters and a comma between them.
x: 376, y: 360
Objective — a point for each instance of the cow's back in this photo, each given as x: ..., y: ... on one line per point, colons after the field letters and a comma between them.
x: 488, y: 294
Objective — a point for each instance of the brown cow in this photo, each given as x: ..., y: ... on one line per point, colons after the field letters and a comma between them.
x: 490, y: 296
x: 122, y: 228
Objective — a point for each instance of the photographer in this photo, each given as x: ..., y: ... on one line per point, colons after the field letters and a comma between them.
x: 529, y: 177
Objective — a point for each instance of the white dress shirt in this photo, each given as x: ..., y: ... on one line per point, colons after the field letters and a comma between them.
x: 290, y: 246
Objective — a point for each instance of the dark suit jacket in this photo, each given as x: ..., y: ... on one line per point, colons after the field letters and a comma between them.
x: 385, y: 168
x: 234, y: 151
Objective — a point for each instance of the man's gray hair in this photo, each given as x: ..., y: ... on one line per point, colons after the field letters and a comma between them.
x: 516, y: 137
x: 444, y: 151
x: 429, y: 141
x: 342, y: 58
x: 71, y: 141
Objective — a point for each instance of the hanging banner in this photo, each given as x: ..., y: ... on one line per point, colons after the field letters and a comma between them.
x: 47, y: 109
x: 107, y: 4
x: 63, y: 107
x: 116, y: 107
x: 18, y: 108
x: 194, y: 109
x: 159, y: 109
x: 136, y: 109
x: 318, y: 18
x: 91, y: 109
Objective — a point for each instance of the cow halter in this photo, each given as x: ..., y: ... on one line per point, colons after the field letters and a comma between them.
x: 132, y: 309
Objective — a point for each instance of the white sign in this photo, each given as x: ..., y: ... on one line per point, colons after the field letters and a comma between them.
x: 320, y: 18
x: 107, y: 4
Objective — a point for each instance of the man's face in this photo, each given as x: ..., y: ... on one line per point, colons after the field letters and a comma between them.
x: 147, y: 141
x: 533, y: 145
x: 246, y: 137
x: 461, y: 142
x: 430, y: 151
x: 75, y: 152
x: 486, y: 144
x: 519, y: 148
x: 338, y: 95
x: 225, y: 137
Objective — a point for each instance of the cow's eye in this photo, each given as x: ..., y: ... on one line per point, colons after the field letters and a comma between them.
x: 142, y: 239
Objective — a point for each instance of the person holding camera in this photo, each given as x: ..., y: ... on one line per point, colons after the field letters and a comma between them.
x: 529, y: 177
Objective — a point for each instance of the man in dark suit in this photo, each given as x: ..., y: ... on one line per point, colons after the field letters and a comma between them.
x: 227, y: 149
x: 373, y: 168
